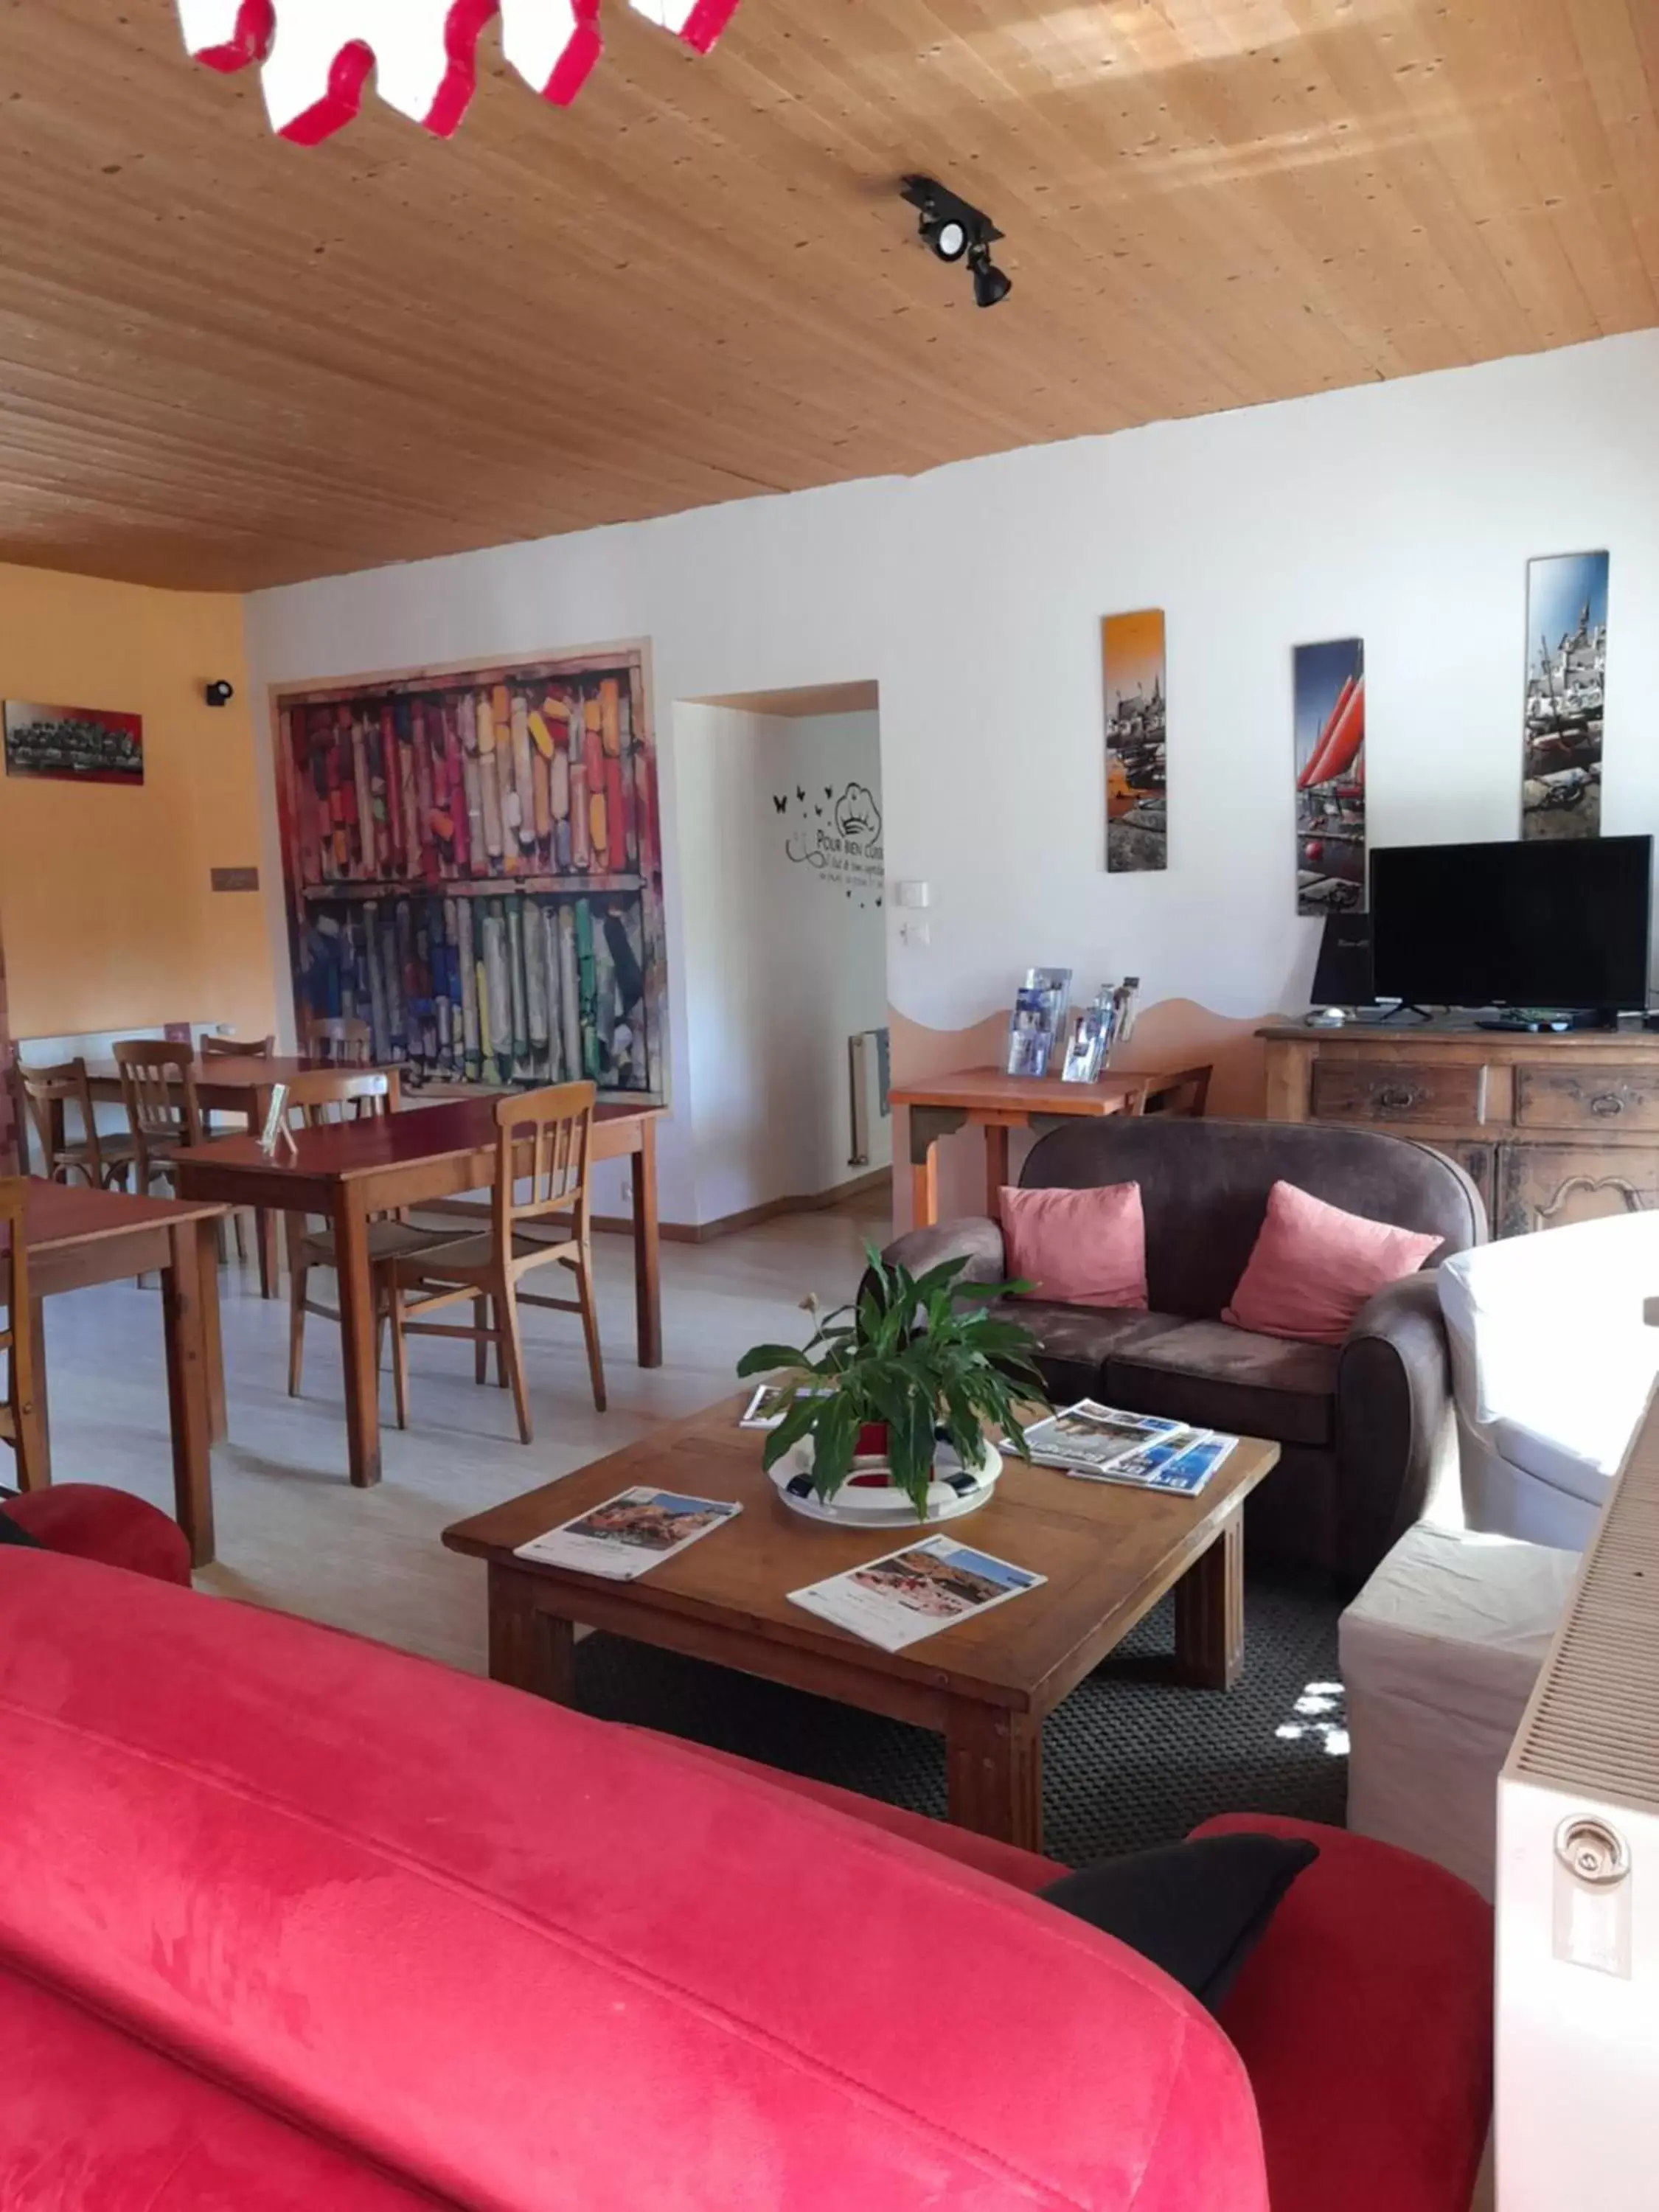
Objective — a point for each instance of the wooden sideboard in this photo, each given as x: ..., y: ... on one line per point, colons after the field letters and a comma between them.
x: 1552, y: 1128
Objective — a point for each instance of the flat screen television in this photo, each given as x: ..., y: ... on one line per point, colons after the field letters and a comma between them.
x: 1553, y: 924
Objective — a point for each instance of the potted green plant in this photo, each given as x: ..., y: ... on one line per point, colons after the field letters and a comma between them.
x: 915, y: 1362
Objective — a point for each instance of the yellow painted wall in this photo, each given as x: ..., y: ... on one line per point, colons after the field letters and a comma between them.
x: 106, y: 915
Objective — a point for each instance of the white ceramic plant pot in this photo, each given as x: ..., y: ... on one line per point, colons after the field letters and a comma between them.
x: 863, y: 1502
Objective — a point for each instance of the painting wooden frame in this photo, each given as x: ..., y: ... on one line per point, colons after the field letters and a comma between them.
x: 473, y: 866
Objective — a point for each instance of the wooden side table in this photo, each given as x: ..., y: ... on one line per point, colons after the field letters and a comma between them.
x: 985, y: 1098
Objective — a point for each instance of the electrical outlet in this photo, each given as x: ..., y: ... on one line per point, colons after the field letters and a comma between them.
x: 915, y: 932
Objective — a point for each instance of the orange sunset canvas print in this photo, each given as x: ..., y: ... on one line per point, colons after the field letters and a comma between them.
x: 1137, y: 798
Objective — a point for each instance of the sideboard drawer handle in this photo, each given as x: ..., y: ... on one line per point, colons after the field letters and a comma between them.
x: 1396, y: 1097
x: 1607, y: 1102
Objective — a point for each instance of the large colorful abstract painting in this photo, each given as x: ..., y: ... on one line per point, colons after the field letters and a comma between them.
x: 1137, y: 792
x: 474, y: 868
x: 1566, y: 675
x: 83, y: 744
x: 1330, y: 691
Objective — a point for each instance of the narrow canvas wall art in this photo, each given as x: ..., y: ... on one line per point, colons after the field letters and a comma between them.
x: 1137, y: 793
x: 83, y: 744
x: 475, y: 870
x: 1330, y: 691
x: 1567, y: 672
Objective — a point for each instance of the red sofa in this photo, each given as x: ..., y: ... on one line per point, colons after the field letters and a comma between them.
x: 290, y: 1920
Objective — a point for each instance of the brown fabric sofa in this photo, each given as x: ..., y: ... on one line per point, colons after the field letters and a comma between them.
x: 1359, y: 1423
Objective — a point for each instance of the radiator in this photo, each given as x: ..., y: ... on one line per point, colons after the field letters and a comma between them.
x: 1578, y: 1885
x: 869, y: 1078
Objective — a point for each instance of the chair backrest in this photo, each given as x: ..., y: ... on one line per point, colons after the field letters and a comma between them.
x: 342, y: 1094
x: 158, y: 1084
x: 230, y: 1047
x: 546, y: 1140
x: 45, y: 1092
x: 340, y: 1039
x: 1204, y: 1187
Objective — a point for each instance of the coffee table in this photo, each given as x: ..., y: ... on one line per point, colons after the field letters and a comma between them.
x: 985, y: 1685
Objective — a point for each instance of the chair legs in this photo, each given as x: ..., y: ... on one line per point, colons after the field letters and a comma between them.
x: 584, y: 1274
x: 399, y: 1356
x: 509, y: 1348
x: 481, y: 1347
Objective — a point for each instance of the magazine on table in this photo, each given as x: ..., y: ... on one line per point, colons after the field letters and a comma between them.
x: 629, y: 1534
x: 772, y: 1401
x: 899, y: 1599
x: 1100, y: 1443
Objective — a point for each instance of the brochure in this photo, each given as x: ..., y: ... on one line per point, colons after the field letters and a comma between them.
x: 1088, y: 1436
x: 1174, y: 1466
x: 771, y: 1402
x: 629, y: 1534
x: 914, y: 1593
x: 1038, y: 1020
x: 1098, y: 1444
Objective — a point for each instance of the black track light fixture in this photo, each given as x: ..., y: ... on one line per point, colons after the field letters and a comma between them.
x: 949, y: 227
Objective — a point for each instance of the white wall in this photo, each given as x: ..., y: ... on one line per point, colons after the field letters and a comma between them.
x: 1404, y: 512
x: 782, y: 959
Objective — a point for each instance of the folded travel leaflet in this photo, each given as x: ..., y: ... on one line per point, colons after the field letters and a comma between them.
x: 899, y: 1599
x: 1099, y: 1444
x: 629, y: 1534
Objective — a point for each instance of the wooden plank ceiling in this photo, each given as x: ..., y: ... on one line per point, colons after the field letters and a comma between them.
x: 226, y: 361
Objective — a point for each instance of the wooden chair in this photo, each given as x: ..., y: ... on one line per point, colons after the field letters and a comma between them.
x: 557, y: 1126
x: 341, y: 1095
x: 44, y: 1095
x: 158, y: 1085
x: 221, y: 1122
x: 339, y: 1040
x: 22, y: 1424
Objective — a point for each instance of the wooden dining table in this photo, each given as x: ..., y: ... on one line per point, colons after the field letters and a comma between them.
x: 348, y: 1172
x: 76, y: 1238
x: 985, y: 1098
x: 227, y: 1083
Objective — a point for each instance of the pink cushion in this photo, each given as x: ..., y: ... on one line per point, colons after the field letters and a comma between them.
x: 1314, y: 1265
x: 90, y: 1522
x: 1078, y: 1248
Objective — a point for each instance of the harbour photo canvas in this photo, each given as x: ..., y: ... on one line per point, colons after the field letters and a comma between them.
x: 1137, y: 793
x: 1329, y: 694
x: 1566, y: 675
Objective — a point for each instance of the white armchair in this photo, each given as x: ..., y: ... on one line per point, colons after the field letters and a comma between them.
x: 1551, y: 1366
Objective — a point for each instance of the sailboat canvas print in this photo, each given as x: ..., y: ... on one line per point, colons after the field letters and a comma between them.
x: 1567, y: 672
x: 1329, y: 692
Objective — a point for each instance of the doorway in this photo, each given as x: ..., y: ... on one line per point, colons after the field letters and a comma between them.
x: 785, y: 952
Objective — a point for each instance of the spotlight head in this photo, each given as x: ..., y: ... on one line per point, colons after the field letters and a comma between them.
x: 947, y: 237
x: 220, y: 694
x: 991, y: 286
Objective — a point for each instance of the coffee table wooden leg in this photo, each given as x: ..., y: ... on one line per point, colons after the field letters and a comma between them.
x: 358, y: 1336
x: 993, y: 1772
x: 187, y: 1360
x: 1209, y: 1612
x: 529, y: 1649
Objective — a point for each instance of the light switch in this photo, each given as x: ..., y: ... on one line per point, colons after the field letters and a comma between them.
x: 912, y: 894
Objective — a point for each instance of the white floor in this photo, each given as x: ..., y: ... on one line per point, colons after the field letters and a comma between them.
x: 293, y: 1534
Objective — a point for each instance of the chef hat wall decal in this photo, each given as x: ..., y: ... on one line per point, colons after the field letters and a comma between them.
x: 316, y: 55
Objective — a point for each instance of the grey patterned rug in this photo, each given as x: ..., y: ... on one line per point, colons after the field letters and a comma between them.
x: 1131, y: 1759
